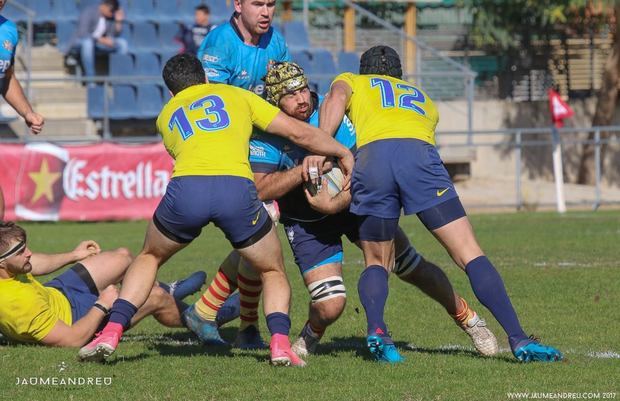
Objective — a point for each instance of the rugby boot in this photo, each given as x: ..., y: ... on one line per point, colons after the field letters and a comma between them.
x: 531, y: 350
x: 281, y: 353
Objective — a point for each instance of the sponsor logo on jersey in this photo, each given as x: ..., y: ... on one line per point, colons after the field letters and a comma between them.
x: 244, y: 75
x: 207, y: 58
x: 8, y: 45
x: 212, y: 72
x: 257, y: 151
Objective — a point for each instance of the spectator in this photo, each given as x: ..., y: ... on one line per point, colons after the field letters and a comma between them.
x: 99, y: 30
x: 191, y: 38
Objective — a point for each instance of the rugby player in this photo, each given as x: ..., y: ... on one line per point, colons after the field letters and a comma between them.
x: 397, y: 167
x: 9, y: 85
x: 239, y: 53
x: 206, y: 128
x: 67, y: 310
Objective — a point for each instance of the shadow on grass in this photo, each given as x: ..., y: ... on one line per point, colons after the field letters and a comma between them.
x: 357, y: 344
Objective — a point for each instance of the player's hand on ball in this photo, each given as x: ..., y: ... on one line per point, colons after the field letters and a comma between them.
x: 86, y: 249
x: 346, y: 165
x: 321, y: 201
x: 312, y: 168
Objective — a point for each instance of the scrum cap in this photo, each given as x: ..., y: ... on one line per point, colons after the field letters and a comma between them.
x: 282, y: 79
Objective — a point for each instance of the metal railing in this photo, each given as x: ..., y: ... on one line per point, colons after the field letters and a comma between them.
x: 517, y: 140
x: 433, y: 70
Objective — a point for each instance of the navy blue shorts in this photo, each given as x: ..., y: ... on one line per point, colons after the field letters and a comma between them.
x: 230, y: 202
x: 79, y: 288
x: 318, y: 243
x: 395, y: 174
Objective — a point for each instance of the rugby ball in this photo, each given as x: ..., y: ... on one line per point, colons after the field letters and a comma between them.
x: 334, y: 178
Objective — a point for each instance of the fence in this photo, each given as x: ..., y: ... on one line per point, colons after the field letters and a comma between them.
x: 518, y: 140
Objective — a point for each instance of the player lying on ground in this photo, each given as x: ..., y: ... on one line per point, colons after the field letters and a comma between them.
x: 67, y: 310
x: 206, y: 128
x: 398, y: 167
x: 316, y: 238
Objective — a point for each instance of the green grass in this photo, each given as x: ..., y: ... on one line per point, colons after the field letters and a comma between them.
x: 562, y: 273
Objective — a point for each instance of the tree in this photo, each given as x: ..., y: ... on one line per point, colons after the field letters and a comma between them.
x: 512, y: 25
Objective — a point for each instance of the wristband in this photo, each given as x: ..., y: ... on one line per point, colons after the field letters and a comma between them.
x: 102, y: 308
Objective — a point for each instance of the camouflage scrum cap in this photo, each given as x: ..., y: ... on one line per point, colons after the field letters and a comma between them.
x: 282, y: 79
x: 381, y: 60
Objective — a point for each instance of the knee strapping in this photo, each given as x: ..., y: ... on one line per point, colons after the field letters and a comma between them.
x: 406, y: 262
x: 327, y: 288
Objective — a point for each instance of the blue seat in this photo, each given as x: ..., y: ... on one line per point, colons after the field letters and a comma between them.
x: 167, y: 10
x: 303, y: 58
x: 164, y: 57
x: 167, y: 32
x: 322, y: 62
x: 65, y: 10
x: 186, y: 9
x: 42, y: 8
x: 123, y: 103
x: 348, y: 62
x: 219, y: 9
x: 149, y: 100
x: 147, y: 64
x: 87, y: 3
x: 141, y: 10
x: 296, y: 35
x: 95, y: 102
x: 166, y: 96
x: 144, y: 38
x: 120, y: 65
x: 64, y: 34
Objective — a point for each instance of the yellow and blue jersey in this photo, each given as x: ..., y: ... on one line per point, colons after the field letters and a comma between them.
x: 8, y: 41
x: 383, y: 107
x: 227, y: 59
x: 206, y: 129
x: 29, y: 310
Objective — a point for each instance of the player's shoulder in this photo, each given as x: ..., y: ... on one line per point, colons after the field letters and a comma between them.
x: 221, y: 35
x: 8, y: 27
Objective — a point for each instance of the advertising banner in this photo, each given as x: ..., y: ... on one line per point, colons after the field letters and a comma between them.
x: 104, y: 181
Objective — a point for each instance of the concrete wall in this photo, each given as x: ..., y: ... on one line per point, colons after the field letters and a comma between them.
x: 499, y: 160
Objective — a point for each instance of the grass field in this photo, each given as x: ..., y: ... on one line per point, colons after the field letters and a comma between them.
x: 562, y: 273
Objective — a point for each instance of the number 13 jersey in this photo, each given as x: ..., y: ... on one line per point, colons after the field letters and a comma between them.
x: 206, y: 129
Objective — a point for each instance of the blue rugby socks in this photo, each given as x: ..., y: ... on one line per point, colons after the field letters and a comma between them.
x: 122, y: 312
x: 490, y: 291
x: 278, y: 323
x: 373, y: 292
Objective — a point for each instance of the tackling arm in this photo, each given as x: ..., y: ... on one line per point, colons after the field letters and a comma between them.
x: 334, y: 106
x: 313, y: 139
x: 274, y: 185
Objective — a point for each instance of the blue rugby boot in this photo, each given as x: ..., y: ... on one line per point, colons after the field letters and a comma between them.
x: 383, y: 349
x: 531, y: 350
x: 206, y: 330
x: 249, y: 338
x: 229, y: 311
x: 185, y: 287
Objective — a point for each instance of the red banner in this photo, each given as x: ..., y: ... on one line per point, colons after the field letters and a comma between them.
x: 43, y: 181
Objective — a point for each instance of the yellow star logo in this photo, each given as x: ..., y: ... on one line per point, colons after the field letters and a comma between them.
x: 44, y: 181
